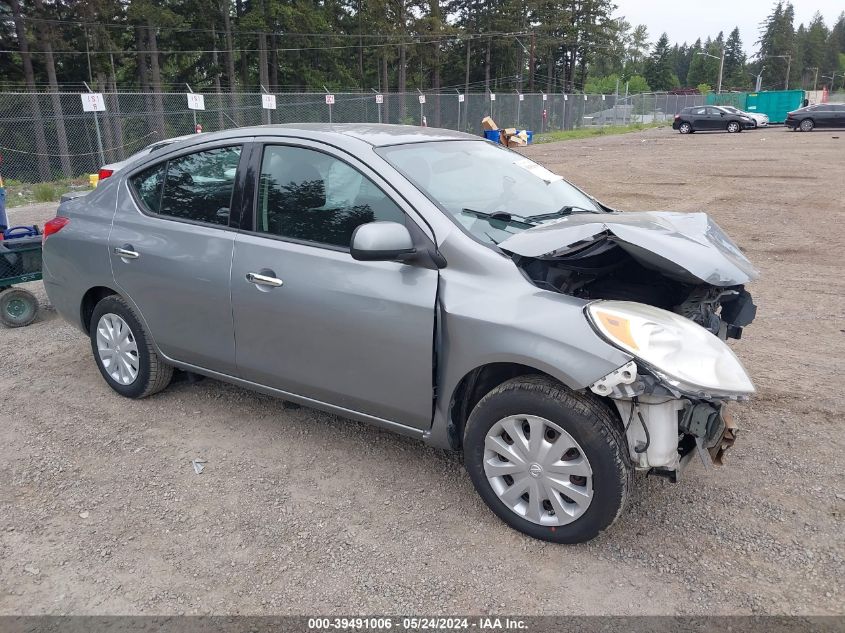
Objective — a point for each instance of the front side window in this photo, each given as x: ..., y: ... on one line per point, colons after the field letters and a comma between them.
x: 307, y: 195
x: 490, y: 191
x: 197, y: 187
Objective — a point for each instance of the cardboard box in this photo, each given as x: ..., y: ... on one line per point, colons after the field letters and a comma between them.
x: 488, y: 124
x: 510, y: 131
x: 517, y: 141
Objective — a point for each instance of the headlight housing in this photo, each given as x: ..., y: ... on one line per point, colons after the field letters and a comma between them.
x: 678, y: 351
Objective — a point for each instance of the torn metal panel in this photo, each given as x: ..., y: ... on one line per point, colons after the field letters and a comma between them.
x: 687, y: 247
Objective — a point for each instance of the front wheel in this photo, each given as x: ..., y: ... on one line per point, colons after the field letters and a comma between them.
x: 124, y: 353
x: 549, y: 462
x: 685, y: 128
x: 734, y: 127
x: 807, y: 125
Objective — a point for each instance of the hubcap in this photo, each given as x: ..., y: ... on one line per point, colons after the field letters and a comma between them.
x: 538, y: 470
x: 17, y: 308
x: 117, y: 349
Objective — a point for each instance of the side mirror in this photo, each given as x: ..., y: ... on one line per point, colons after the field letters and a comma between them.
x: 381, y: 241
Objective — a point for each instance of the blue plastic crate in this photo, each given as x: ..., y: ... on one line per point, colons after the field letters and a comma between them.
x: 492, y: 135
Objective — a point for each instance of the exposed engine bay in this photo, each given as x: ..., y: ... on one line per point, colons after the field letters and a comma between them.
x: 681, y: 262
x: 603, y: 270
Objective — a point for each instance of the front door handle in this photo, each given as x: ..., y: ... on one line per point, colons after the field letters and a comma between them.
x: 126, y: 252
x: 263, y: 280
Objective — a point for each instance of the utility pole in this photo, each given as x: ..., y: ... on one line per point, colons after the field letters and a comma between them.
x: 788, y: 66
x: 721, y: 66
x: 531, y: 62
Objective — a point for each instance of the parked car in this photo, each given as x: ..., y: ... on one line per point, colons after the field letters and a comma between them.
x: 106, y: 171
x: 710, y: 118
x: 758, y: 118
x: 820, y: 115
x: 428, y: 282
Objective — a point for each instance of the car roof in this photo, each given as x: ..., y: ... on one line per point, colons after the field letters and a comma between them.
x: 374, y: 134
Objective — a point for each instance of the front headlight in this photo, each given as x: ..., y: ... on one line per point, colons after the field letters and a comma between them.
x: 677, y: 350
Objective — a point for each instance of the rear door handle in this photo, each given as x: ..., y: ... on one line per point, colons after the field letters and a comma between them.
x: 263, y: 280
x: 126, y: 252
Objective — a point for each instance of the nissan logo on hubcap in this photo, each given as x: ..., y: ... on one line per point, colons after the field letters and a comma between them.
x: 535, y: 470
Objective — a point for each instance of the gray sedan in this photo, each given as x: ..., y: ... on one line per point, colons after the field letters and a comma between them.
x: 427, y: 282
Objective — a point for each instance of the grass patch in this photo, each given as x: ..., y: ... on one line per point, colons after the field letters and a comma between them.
x: 45, y: 192
x: 21, y: 193
x: 598, y: 130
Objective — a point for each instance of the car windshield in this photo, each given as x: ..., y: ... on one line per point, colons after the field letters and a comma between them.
x: 490, y: 191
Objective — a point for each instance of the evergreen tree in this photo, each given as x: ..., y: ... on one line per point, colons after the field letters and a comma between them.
x: 658, y: 69
x: 776, y: 42
x: 735, y: 76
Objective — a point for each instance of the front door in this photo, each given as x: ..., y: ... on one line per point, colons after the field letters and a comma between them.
x: 171, y: 249
x: 312, y: 321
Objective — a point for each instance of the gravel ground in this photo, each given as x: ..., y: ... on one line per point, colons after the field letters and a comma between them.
x: 302, y: 512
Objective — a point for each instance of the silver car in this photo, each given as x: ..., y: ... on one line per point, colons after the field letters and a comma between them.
x: 428, y: 282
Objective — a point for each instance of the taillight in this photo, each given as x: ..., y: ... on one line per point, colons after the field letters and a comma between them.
x: 677, y: 116
x: 104, y: 173
x: 54, y: 226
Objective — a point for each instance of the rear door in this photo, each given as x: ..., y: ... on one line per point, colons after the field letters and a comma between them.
x: 357, y: 335
x: 171, y: 250
x: 699, y: 118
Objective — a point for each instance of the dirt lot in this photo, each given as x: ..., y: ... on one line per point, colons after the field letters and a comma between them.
x: 302, y: 512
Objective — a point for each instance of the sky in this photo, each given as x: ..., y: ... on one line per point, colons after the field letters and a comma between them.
x: 687, y: 20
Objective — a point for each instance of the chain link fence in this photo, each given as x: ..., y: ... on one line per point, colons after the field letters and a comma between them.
x: 47, y: 136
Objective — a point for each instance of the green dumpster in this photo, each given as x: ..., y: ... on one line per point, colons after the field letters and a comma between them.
x: 774, y: 103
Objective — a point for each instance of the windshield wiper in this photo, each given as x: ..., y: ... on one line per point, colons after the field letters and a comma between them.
x: 563, y: 211
x: 502, y: 216
x: 526, y: 221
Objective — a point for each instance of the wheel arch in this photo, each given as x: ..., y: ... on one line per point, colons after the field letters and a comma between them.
x: 90, y: 299
x: 480, y: 381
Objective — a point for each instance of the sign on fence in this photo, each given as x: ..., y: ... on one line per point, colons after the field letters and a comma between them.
x: 379, y: 99
x: 268, y: 102
x: 329, y: 99
x: 195, y: 101
x: 521, y: 97
x: 546, y: 97
x: 422, y: 99
x: 461, y: 98
x: 492, y: 96
x: 93, y: 102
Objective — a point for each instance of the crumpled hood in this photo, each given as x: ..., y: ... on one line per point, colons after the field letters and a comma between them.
x: 689, y: 247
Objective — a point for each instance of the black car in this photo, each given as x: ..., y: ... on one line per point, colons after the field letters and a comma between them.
x: 709, y: 118
x: 819, y: 115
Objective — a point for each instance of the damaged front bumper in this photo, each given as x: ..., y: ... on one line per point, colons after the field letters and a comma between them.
x: 665, y: 430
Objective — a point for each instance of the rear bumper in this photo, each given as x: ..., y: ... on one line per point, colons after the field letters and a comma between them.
x: 791, y: 123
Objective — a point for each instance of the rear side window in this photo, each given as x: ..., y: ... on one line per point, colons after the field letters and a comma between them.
x: 197, y: 187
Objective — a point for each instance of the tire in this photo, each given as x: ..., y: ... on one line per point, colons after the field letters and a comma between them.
x: 807, y: 125
x: 734, y: 127
x: 593, y: 445
x: 685, y: 128
x: 18, y: 307
x: 151, y: 374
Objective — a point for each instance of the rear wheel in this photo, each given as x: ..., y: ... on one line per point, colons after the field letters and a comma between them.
x: 807, y: 125
x: 734, y: 127
x: 18, y: 307
x: 124, y: 353
x: 685, y: 128
x: 549, y: 462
